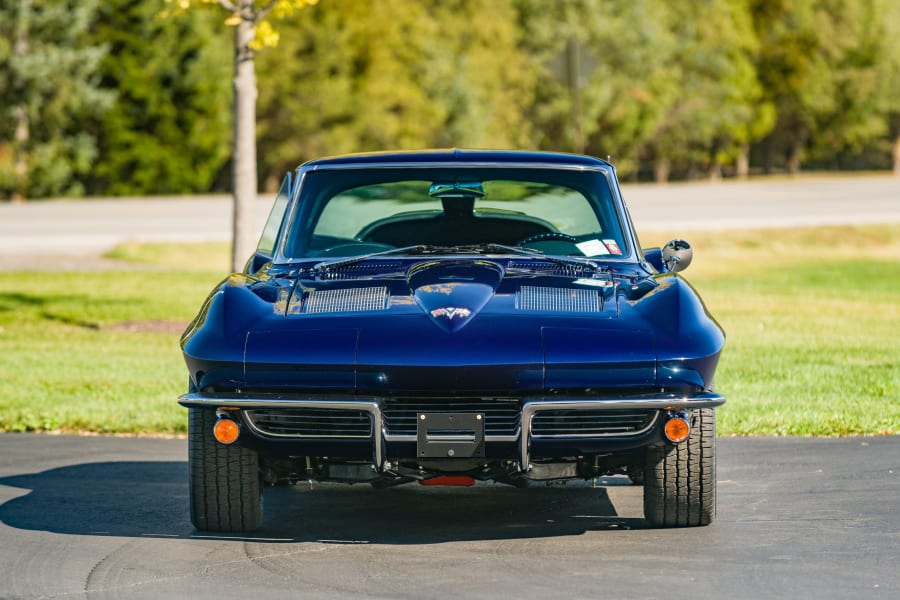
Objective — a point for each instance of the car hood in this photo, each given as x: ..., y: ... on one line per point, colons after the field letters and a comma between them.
x: 461, y: 327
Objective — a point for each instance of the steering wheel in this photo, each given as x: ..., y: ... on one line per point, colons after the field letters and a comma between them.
x: 543, y: 237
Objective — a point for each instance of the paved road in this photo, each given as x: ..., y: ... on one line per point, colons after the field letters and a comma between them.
x: 92, y: 226
x: 101, y: 517
x: 758, y: 203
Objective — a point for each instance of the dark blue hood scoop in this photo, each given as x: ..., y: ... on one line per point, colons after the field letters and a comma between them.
x: 452, y: 293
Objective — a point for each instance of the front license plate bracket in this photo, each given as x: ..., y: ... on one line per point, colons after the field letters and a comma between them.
x: 450, y: 435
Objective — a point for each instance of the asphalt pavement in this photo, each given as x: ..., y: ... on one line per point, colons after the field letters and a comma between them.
x: 104, y: 517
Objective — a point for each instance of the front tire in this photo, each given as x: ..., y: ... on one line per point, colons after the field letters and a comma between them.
x: 680, y: 479
x: 225, y: 489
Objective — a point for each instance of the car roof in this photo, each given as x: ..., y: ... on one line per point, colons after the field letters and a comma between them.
x: 457, y: 156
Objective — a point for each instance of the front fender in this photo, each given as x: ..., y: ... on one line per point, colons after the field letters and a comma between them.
x: 214, y: 343
x: 688, y: 338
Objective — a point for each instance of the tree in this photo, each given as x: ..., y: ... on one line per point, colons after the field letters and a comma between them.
x: 365, y: 70
x: 819, y: 66
x: 49, y: 97
x: 627, y: 81
x: 858, y: 116
x: 877, y: 79
x: 480, y: 76
x: 168, y: 130
x: 719, y: 106
x: 890, y: 77
x: 399, y: 74
x: 548, y: 31
x: 635, y: 80
x: 252, y: 31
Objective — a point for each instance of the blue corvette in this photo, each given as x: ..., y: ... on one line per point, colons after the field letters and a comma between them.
x: 447, y: 317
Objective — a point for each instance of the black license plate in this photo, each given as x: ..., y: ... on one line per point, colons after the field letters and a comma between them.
x: 450, y: 435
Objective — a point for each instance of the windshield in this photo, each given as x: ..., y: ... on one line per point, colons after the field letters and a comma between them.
x: 351, y: 212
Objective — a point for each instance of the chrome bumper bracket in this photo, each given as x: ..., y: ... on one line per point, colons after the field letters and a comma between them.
x: 372, y: 405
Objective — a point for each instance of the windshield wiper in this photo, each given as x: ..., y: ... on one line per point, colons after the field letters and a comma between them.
x: 566, y: 261
x: 327, y: 265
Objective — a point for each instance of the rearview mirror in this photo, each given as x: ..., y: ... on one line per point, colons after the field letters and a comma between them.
x: 677, y: 255
x: 457, y: 189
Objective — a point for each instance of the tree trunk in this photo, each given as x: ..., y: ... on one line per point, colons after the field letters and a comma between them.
x: 23, y: 127
x: 796, y: 155
x: 244, y: 159
x: 714, y: 169
x: 573, y: 74
x: 897, y: 155
x: 661, y: 169
x: 793, y: 162
x: 742, y: 168
x: 769, y: 149
x: 20, y: 153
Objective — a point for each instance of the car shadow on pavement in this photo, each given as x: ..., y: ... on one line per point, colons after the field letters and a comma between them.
x: 150, y: 499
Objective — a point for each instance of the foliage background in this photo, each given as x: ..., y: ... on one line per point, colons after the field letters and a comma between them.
x: 118, y: 100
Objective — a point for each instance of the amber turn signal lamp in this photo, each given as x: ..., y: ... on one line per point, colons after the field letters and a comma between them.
x: 677, y: 428
x: 226, y: 431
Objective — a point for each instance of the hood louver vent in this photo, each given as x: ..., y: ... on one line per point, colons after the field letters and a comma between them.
x: 346, y: 300
x: 548, y: 267
x: 362, y: 270
x: 551, y: 299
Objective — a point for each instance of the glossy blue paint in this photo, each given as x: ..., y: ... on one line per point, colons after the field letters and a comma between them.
x: 406, y: 347
x: 322, y: 359
x: 458, y: 156
x: 453, y: 292
x: 449, y: 323
x: 598, y: 358
x: 410, y: 355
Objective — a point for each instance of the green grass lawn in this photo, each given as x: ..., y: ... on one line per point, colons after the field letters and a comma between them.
x: 95, y: 351
x: 813, y: 324
x: 812, y: 317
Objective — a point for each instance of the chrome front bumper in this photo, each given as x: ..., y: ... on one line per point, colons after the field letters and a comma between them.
x: 372, y: 405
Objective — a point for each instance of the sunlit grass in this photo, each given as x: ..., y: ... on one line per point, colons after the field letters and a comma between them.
x: 209, y: 256
x: 68, y: 364
x: 812, y: 317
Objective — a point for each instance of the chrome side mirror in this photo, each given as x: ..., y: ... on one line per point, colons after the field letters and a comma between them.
x: 677, y: 255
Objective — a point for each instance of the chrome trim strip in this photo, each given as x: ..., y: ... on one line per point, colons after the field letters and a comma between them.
x: 248, y: 419
x: 487, y: 438
x: 563, y: 436
x: 367, y: 404
x: 459, y: 164
x: 646, y: 402
x: 372, y: 405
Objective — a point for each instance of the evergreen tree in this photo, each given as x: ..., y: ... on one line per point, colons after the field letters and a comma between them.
x: 169, y: 128
x: 49, y: 96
